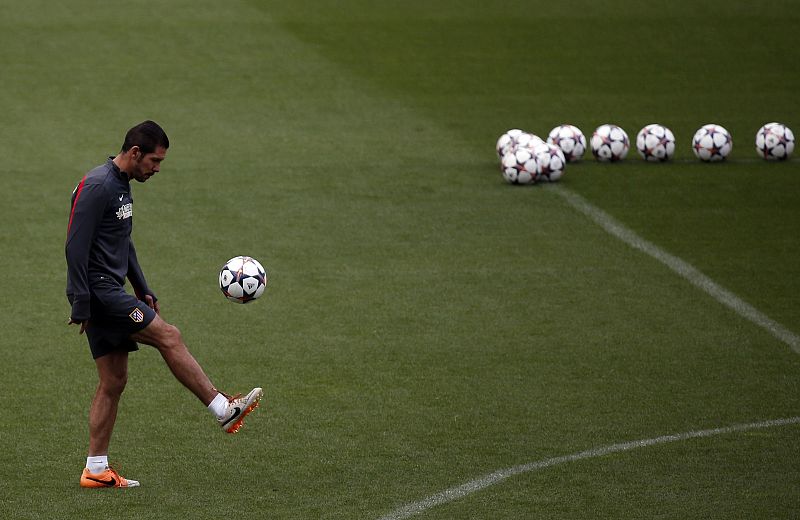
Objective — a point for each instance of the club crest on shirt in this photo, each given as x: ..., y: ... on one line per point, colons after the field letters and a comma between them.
x: 137, y: 315
x: 125, y: 211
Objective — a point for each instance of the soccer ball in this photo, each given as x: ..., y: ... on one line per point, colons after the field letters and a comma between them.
x: 655, y: 143
x: 550, y: 162
x: 507, y: 141
x: 712, y: 143
x: 527, y: 140
x: 775, y: 142
x: 519, y: 166
x: 571, y: 141
x: 514, y: 139
x: 609, y: 143
x: 242, y: 279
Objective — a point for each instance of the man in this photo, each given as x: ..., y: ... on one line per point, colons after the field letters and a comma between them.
x: 100, y: 256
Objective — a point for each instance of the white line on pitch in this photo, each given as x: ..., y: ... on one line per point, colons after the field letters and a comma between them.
x: 681, y: 267
x: 485, y: 481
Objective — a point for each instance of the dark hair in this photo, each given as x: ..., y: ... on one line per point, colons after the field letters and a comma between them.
x: 147, y: 136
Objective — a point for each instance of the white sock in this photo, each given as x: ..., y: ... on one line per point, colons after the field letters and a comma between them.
x: 218, y: 406
x: 97, y: 464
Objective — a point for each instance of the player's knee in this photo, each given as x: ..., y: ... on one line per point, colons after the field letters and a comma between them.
x: 113, y: 384
x: 172, y: 337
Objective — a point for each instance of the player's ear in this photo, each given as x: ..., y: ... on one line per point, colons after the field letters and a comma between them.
x: 135, y: 152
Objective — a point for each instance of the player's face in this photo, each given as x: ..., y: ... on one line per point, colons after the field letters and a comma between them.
x: 148, y: 164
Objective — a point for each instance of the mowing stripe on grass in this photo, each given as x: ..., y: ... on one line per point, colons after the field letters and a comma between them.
x: 684, y: 269
x: 485, y: 481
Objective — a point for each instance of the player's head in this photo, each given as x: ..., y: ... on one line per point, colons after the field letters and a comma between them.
x: 147, y: 136
x: 144, y: 148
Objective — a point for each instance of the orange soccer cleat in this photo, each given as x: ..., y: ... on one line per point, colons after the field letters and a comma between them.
x: 107, y: 479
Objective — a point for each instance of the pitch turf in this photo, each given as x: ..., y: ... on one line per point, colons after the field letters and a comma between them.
x: 426, y: 324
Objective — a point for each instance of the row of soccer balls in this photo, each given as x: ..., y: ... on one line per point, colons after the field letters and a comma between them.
x: 526, y: 158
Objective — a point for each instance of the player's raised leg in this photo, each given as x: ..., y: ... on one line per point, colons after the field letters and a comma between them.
x: 169, y: 342
x: 230, y: 411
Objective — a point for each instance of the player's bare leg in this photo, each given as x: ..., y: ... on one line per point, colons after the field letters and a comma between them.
x: 230, y: 411
x: 112, y: 371
x: 169, y: 342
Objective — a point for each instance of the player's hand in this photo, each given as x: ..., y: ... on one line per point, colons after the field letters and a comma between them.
x: 152, y: 303
x: 83, y: 325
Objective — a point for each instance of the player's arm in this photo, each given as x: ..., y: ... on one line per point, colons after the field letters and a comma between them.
x: 88, y: 205
x: 138, y: 282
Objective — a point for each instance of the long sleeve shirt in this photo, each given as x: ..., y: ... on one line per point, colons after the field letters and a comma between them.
x: 99, y: 242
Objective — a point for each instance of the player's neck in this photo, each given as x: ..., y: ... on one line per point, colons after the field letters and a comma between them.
x: 123, y: 163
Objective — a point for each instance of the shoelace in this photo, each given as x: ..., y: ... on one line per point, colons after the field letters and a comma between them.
x: 229, y: 397
x: 113, y: 470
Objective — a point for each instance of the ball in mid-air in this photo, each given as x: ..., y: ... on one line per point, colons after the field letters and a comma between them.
x: 571, y: 141
x: 609, y: 143
x: 775, y: 142
x: 712, y: 143
x: 655, y: 143
x: 519, y: 166
x: 242, y: 279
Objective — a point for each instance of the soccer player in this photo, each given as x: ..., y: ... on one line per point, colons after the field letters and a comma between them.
x: 100, y: 257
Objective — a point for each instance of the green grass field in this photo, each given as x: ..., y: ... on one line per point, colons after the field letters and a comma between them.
x: 426, y: 323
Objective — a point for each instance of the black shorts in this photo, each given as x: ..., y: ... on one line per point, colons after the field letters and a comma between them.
x: 115, y: 316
